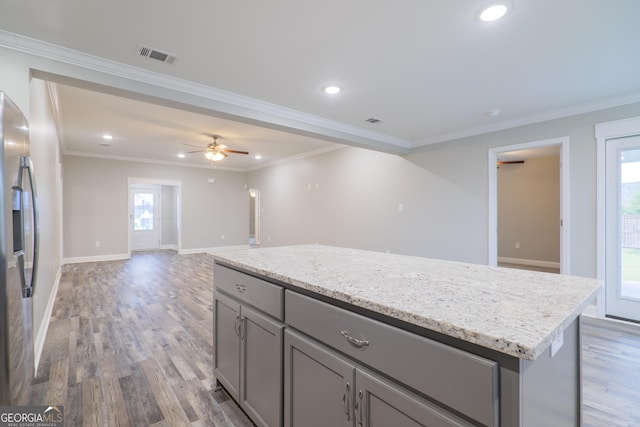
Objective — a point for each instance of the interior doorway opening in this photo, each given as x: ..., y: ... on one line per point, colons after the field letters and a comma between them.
x: 154, y: 215
x: 254, y: 217
x: 528, y: 225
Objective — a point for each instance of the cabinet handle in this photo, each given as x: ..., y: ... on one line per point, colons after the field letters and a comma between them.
x: 345, y: 401
x: 236, y: 325
x: 241, y: 288
x: 357, y: 409
x: 355, y: 341
x: 243, y: 328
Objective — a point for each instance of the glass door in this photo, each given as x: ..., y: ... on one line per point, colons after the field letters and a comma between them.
x: 622, y: 213
x: 145, y: 219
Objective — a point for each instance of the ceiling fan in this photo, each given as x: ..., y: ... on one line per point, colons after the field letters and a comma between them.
x: 216, y: 151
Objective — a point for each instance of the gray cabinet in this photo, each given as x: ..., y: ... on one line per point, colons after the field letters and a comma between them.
x: 298, y: 359
x: 324, y: 389
x: 454, y: 378
x: 261, y: 368
x: 248, y: 346
x: 226, y: 324
x: 379, y: 402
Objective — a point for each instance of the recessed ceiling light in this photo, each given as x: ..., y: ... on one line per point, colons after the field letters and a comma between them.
x: 332, y: 90
x: 107, y: 137
x: 494, y: 11
x: 257, y: 157
x: 181, y: 155
x: 494, y: 113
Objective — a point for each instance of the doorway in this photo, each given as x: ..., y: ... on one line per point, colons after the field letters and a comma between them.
x: 516, y: 156
x: 154, y: 214
x: 254, y: 217
x: 145, y: 218
x: 619, y: 218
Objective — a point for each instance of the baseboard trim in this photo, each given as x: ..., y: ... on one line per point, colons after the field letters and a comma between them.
x: 41, y: 335
x: 213, y: 250
x: 532, y: 262
x: 113, y: 257
x: 165, y: 247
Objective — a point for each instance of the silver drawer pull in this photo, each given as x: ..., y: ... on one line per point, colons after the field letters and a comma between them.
x: 357, y: 409
x: 241, y: 288
x: 345, y: 401
x: 355, y: 341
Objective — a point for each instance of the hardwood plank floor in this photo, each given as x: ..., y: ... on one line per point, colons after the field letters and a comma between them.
x: 611, y: 373
x: 130, y: 344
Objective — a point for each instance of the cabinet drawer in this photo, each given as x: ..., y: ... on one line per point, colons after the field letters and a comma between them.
x: 263, y: 295
x: 462, y: 381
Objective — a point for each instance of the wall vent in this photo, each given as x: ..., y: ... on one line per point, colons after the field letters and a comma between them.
x: 373, y: 120
x: 148, y: 52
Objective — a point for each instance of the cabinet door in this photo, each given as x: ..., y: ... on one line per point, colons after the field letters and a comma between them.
x: 226, y: 332
x: 318, y: 389
x: 261, y: 373
x: 380, y: 403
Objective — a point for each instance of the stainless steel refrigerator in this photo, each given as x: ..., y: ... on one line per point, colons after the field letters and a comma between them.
x: 19, y: 256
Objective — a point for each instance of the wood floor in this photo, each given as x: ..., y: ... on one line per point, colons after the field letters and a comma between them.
x: 611, y: 373
x: 130, y: 344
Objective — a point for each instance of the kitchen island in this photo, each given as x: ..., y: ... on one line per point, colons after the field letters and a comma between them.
x: 418, y: 339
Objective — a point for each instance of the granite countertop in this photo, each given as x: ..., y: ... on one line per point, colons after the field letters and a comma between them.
x: 516, y: 312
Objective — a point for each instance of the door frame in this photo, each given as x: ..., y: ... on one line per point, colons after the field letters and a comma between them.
x: 603, y: 132
x: 257, y: 212
x: 155, y: 191
x: 133, y: 182
x: 563, y: 143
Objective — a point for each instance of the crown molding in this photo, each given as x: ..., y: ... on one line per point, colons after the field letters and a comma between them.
x: 297, y: 157
x: 574, y: 110
x: 228, y: 102
x: 151, y: 161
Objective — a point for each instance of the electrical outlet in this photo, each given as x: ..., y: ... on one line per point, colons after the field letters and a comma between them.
x: 97, y: 243
x: 517, y: 245
x: 400, y: 207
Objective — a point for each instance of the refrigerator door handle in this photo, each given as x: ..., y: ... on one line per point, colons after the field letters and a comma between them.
x: 26, y: 165
x: 18, y: 234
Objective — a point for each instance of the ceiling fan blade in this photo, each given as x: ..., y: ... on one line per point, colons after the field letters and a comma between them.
x: 235, y: 151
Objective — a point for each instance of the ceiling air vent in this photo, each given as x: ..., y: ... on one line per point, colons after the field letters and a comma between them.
x: 148, y: 52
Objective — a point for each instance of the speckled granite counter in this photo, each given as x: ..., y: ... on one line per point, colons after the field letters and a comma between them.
x: 515, y: 312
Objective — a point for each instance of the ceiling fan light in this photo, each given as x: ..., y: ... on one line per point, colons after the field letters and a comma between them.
x: 213, y: 155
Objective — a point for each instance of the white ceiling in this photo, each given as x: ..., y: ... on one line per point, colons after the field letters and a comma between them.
x: 429, y: 69
x: 157, y: 134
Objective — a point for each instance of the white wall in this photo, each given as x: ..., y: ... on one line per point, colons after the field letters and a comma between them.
x: 443, y: 189
x: 529, y: 210
x: 169, y: 215
x: 45, y: 154
x: 96, y: 206
x: 352, y: 197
